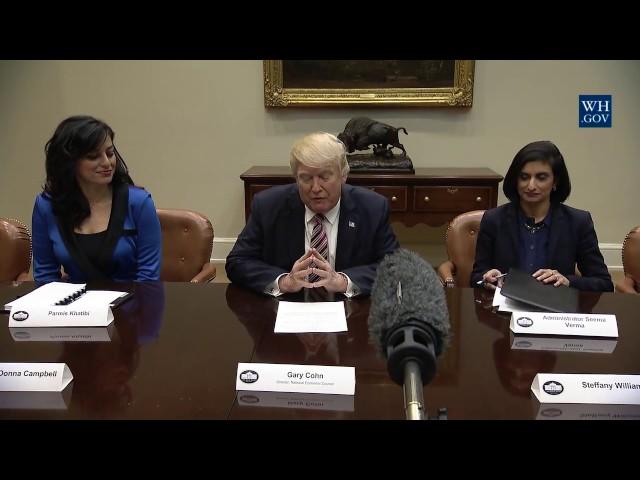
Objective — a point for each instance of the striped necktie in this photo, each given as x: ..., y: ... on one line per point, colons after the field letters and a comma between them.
x: 319, y: 241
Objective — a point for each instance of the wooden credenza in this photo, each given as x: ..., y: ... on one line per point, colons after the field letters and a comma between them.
x: 433, y: 196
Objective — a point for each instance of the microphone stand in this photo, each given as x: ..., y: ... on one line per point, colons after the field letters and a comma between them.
x: 413, y: 398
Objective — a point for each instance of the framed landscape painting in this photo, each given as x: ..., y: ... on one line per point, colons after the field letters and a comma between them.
x: 403, y: 83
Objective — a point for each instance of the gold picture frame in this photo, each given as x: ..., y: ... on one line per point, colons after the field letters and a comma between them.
x: 349, y: 83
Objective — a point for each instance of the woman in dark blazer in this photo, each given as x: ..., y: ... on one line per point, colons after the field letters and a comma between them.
x: 90, y: 218
x: 535, y: 231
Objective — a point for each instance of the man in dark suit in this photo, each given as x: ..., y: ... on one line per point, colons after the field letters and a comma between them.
x: 318, y: 232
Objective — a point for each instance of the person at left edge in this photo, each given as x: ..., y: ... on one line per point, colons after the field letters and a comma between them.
x: 90, y: 218
x: 274, y: 254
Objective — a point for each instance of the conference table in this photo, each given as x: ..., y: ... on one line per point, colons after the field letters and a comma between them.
x: 173, y: 351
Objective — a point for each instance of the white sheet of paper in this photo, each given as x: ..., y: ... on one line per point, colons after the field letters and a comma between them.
x: 308, y: 317
x: 505, y: 304
x: 46, y: 294
x: 498, y: 298
x: 53, y: 292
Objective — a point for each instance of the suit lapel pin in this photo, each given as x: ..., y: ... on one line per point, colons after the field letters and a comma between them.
x: 352, y: 224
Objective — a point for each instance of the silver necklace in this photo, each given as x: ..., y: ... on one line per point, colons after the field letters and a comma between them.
x: 531, y: 227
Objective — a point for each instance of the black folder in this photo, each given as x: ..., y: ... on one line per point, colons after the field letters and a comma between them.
x: 521, y: 286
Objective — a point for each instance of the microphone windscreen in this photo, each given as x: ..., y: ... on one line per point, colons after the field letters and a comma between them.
x: 421, y: 298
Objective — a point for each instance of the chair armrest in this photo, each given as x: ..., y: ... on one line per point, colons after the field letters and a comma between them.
x: 24, y: 277
x: 446, y: 272
x: 206, y: 275
x: 626, y: 285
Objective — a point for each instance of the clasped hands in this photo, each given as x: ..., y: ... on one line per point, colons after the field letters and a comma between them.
x: 312, y: 262
x: 544, y: 275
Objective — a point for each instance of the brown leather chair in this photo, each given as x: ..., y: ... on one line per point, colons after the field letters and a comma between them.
x: 461, y: 237
x: 187, y: 242
x: 630, y: 283
x: 15, y: 250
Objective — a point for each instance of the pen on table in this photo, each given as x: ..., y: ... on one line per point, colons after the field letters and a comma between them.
x: 480, y: 282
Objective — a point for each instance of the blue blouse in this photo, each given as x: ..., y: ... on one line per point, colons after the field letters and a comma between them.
x: 137, y: 254
x: 534, y: 243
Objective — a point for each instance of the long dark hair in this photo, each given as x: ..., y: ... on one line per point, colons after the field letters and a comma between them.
x: 74, y: 138
x: 545, y: 151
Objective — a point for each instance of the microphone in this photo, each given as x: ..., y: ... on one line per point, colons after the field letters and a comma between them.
x: 409, y: 322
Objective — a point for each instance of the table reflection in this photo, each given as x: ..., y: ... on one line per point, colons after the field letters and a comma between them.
x: 102, y: 370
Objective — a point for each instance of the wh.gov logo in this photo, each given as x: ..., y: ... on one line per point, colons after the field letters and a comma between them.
x: 594, y: 111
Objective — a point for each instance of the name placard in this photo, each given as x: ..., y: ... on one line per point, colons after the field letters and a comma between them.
x: 568, y: 324
x: 62, y: 334
x: 280, y: 377
x: 304, y: 401
x: 34, y: 377
x: 587, y: 388
x: 35, y: 400
x: 577, y: 411
x: 564, y: 344
x: 60, y: 316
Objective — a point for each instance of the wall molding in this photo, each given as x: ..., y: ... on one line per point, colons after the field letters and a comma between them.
x: 221, y: 248
x: 612, y: 252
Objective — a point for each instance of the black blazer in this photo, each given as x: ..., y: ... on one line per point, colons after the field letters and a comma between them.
x: 572, y: 240
x: 273, y: 238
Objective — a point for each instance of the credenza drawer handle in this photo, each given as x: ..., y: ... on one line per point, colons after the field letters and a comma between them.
x: 452, y: 190
x: 426, y: 199
x: 478, y: 199
x: 394, y: 199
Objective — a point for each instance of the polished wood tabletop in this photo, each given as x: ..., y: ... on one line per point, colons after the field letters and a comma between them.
x: 173, y: 350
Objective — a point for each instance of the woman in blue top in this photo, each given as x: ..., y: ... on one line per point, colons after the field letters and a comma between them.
x: 91, y: 219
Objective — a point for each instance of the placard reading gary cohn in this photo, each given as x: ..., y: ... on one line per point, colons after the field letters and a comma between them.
x: 280, y: 377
